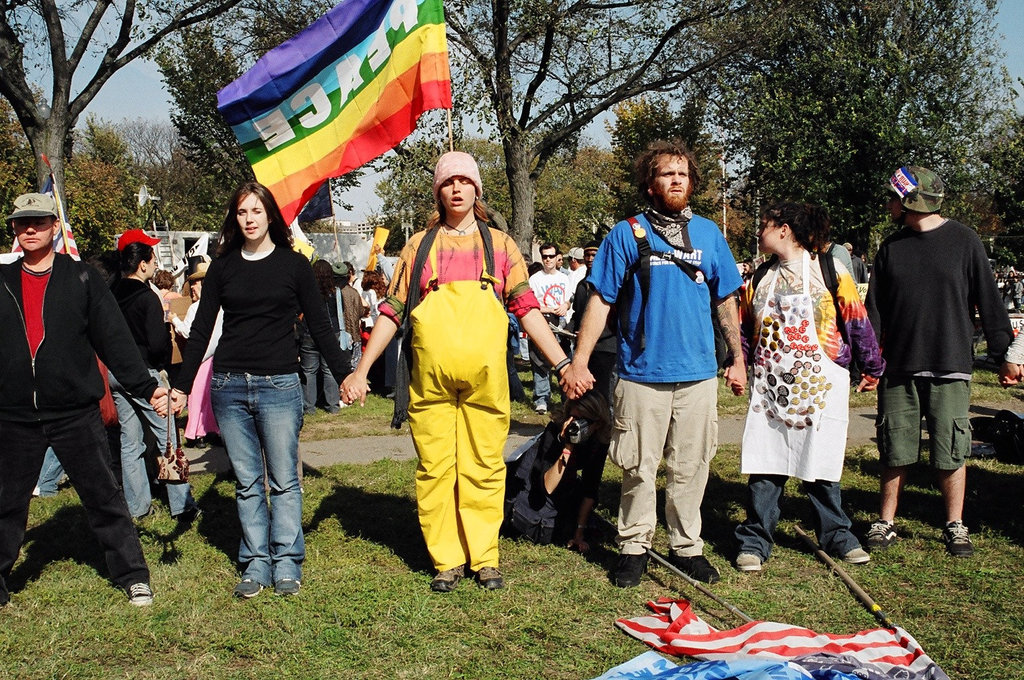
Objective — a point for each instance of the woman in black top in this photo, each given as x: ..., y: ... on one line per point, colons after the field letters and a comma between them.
x: 262, y: 285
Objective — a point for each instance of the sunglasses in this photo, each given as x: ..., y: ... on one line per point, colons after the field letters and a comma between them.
x: 548, y: 257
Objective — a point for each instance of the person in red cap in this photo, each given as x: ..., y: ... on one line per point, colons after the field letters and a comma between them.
x: 135, y: 236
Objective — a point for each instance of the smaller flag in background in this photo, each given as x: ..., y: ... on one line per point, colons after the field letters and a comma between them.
x: 676, y: 629
x: 320, y: 206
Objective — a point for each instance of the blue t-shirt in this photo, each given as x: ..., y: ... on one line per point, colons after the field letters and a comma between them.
x: 680, y: 342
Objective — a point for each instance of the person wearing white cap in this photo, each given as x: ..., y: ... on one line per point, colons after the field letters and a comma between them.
x: 452, y: 286
x: 577, y: 270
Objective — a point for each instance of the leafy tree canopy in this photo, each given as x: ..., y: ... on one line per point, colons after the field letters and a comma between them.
x: 845, y: 93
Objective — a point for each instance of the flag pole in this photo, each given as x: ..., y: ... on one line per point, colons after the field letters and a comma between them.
x: 451, y: 135
x: 57, y: 201
x: 857, y: 591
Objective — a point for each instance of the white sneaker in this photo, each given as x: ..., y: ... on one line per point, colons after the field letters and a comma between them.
x: 748, y: 562
x: 857, y: 556
x: 139, y: 594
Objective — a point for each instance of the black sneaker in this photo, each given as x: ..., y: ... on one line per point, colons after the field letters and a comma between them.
x: 880, y: 535
x: 958, y: 540
x: 189, y: 516
x: 247, y: 588
x: 446, y: 580
x: 696, y: 567
x: 287, y: 586
x: 629, y: 570
x: 139, y: 594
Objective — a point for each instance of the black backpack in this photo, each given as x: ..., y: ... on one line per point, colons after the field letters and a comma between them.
x: 1006, y: 432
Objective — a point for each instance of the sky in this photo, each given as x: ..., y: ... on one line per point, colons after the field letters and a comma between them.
x: 137, y: 91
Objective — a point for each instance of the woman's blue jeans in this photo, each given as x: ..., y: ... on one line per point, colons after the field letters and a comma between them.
x: 50, y: 474
x: 259, y: 418
x: 832, y: 526
x: 142, y: 428
x: 313, y: 364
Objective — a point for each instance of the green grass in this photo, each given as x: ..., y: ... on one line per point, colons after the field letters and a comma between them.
x: 366, y: 611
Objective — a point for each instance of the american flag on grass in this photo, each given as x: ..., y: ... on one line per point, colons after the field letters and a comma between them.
x: 675, y: 629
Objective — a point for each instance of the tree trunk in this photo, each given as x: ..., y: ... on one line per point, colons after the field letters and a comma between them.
x: 522, y: 193
x: 52, y: 138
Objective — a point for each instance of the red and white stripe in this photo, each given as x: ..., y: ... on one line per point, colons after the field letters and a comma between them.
x: 676, y: 629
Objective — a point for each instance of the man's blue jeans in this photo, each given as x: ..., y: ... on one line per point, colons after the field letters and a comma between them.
x: 313, y: 364
x: 137, y: 417
x: 260, y: 417
x: 832, y: 526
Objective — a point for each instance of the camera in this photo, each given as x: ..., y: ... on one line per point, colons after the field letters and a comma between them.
x: 577, y: 431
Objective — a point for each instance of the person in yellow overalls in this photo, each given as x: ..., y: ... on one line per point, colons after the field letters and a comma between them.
x: 466, y: 274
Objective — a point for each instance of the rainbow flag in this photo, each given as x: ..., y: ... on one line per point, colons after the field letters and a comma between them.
x: 340, y: 93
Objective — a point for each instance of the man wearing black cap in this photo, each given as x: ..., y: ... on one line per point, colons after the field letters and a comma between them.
x: 926, y: 281
x: 56, y: 315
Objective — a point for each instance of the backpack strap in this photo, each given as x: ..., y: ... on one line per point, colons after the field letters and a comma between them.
x: 831, y: 278
x: 487, y: 274
x: 642, y: 269
x: 403, y: 374
x: 761, y: 270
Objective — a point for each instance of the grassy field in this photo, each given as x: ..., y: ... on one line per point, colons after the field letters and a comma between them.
x: 366, y: 611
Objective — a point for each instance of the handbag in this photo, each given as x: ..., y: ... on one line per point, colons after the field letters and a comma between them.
x: 172, y: 466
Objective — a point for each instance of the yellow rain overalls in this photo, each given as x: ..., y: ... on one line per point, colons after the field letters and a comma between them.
x: 459, y: 416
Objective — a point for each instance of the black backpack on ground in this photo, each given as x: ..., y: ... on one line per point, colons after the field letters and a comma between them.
x: 1006, y: 432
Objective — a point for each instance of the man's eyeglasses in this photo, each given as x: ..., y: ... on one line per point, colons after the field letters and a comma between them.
x: 548, y: 257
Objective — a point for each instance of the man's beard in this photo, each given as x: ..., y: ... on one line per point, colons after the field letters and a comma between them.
x: 670, y: 203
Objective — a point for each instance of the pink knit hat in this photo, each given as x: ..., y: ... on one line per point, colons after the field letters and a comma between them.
x: 456, y: 164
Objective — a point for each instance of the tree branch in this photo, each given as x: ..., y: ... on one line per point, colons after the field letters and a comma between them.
x: 111, y: 62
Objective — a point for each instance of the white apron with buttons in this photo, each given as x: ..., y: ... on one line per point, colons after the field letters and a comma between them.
x: 799, y: 405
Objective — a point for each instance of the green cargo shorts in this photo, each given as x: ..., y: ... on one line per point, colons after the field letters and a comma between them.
x: 944, y: 404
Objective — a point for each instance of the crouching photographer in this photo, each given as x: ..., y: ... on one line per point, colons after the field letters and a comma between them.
x: 552, y: 487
